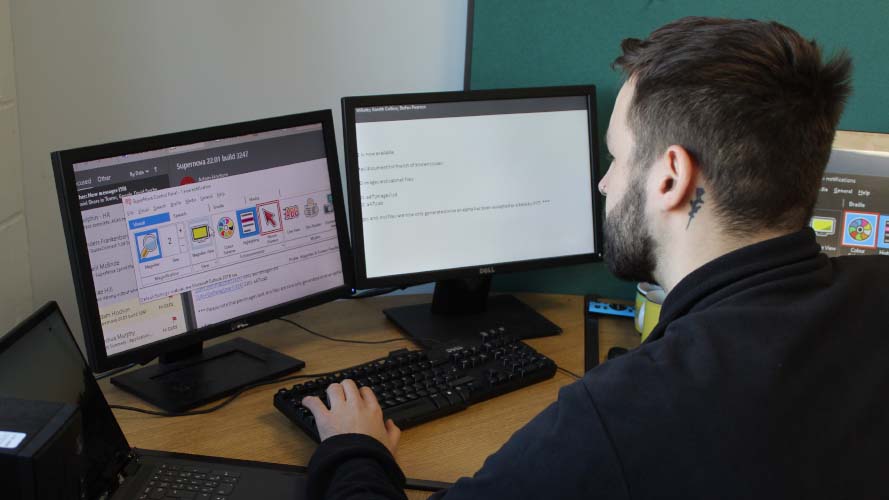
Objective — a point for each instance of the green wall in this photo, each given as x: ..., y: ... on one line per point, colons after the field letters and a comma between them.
x: 524, y: 43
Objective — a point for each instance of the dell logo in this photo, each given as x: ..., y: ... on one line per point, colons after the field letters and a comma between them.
x: 238, y: 326
x: 486, y: 270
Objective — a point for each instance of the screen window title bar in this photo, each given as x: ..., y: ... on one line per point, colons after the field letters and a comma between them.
x: 422, y: 111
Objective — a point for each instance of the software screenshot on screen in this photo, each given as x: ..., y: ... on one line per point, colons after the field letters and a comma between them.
x: 189, y: 236
x: 458, y: 184
x: 851, y: 216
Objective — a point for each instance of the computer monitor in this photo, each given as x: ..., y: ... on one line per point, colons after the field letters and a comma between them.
x: 179, y: 238
x: 851, y: 216
x: 455, y: 187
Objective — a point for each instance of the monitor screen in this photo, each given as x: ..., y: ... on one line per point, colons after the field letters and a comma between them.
x: 851, y: 216
x: 203, y: 229
x: 467, y: 181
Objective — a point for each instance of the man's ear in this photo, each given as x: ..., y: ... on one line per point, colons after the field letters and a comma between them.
x: 675, y: 176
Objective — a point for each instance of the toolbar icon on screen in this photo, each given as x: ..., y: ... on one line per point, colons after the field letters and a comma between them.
x: 860, y: 229
x: 147, y: 245
x: 270, y: 217
x: 824, y: 226
x: 247, y: 224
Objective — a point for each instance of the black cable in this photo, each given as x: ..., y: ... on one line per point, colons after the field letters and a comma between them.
x: 437, y: 342
x: 350, y: 341
x: 222, y: 404
x: 375, y: 292
x: 568, y: 372
x: 111, y: 373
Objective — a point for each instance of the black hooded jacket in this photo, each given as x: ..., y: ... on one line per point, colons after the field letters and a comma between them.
x: 767, y: 377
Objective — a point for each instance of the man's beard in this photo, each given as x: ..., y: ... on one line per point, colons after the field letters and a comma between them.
x: 629, y: 247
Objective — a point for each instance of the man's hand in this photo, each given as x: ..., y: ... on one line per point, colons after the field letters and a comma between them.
x: 352, y: 411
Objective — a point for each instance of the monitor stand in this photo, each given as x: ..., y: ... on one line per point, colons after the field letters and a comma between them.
x: 194, y: 376
x: 461, y: 309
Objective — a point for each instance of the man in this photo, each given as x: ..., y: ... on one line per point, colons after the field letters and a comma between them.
x: 768, y: 375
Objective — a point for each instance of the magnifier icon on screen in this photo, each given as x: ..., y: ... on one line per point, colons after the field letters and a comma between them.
x: 149, y: 245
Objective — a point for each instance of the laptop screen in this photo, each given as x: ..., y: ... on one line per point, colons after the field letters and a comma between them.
x: 39, y: 360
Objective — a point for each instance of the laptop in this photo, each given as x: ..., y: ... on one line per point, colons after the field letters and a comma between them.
x: 40, y: 361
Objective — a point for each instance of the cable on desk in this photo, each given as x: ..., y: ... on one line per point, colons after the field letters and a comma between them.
x: 222, y: 404
x: 111, y: 373
x: 568, y: 372
x: 370, y: 342
x: 350, y: 341
x: 375, y: 292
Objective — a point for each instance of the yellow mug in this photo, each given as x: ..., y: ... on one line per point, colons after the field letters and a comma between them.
x: 649, y: 299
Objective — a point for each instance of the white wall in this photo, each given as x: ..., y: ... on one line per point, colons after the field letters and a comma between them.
x: 15, y: 284
x: 94, y: 71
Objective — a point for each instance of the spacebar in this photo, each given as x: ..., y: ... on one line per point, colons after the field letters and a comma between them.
x: 418, y: 411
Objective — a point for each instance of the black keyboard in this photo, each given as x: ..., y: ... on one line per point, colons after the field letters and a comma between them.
x: 189, y: 483
x: 417, y: 386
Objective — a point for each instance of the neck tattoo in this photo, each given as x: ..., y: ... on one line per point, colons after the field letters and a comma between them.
x: 695, y: 205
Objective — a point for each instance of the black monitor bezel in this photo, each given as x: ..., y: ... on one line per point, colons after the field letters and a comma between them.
x: 353, y: 187
x: 63, y: 162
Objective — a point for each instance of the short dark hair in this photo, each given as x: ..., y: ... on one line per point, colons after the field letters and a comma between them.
x: 751, y: 101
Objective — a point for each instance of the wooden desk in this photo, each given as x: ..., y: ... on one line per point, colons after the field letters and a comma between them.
x: 444, y: 449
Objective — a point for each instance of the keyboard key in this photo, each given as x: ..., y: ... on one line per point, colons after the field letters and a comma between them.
x: 415, y: 408
x: 462, y: 392
x: 224, y: 489
x: 439, y: 401
x: 461, y: 381
x: 453, y: 398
